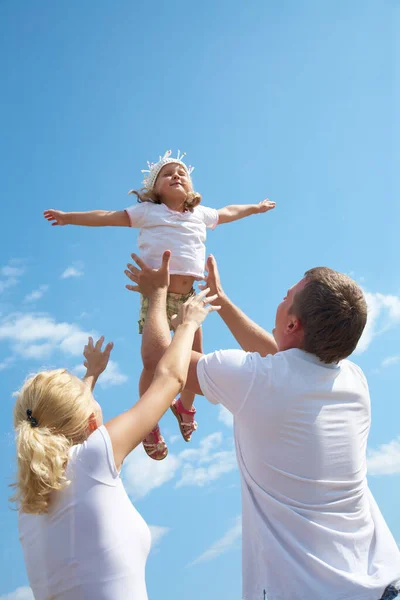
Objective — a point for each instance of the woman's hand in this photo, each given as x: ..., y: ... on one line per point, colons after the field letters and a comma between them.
x: 96, y: 358
x: 195, y: 310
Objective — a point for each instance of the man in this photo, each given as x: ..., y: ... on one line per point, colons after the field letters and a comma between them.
x: 311, y: 528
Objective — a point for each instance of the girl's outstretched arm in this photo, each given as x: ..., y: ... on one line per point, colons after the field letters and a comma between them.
x: 235, y: 212
x: 92, y: 218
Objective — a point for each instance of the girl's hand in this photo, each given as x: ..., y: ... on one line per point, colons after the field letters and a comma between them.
x: 195, y: 310
x: 58, y: 216
x: 96, y: 358
x: 265, y: 206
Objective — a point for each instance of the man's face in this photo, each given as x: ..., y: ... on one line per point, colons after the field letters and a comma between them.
x: 287, y: 331
x: 173, y: 181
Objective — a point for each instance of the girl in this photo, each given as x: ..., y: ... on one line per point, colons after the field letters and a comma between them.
x: 80, y: 534
x: 169, y: 215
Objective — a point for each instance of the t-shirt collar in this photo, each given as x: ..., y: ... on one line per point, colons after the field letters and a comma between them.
x: 312, y: 358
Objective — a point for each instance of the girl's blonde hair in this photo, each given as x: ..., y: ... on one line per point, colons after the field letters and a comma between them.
x: 60, y: 405
x: 193, y: 199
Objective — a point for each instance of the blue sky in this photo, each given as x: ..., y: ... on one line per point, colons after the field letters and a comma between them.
x: 291, y: 100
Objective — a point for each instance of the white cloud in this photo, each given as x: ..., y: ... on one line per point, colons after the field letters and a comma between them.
x: 205, y: 464
x: 196, y: 467
x: 37, y: 335
x: 75, y: 270
x: 35, y: 351
x: 4, y: 284
x: 75, y: 341
x: 225, y: 416
x: 390, y: 360
x: 10, y: 271
x: 157, y: 533
x: 174, y: 438
x: 79, y: 370
x: 112, y: 375
x: 21, y: 593
x: 11, y: 275
x: 229, y: 541
x: 385, y: 460
x: 383, y: 314
x: 36, y: 294
x: 6, y: 363
x: 143, y: 474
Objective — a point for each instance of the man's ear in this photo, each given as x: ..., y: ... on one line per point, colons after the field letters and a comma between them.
x: 293, y: 325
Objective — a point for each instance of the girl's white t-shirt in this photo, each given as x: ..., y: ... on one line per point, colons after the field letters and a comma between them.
x: 183, y: 233
x: 93, y: 543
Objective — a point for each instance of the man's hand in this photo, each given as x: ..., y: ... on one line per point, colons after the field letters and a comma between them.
x: 58, y: 216
x: 265, y: 206
x: 148, y: 280
x: 213, y: 281
x: 96, y: 358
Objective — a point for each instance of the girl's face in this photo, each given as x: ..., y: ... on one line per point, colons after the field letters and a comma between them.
x: 173, y: 182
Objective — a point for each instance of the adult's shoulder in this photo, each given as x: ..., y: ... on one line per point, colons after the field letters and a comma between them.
x: 95, y: 457
x: 355, y: 369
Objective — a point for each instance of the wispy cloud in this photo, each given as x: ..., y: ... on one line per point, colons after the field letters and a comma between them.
x: 383, y: 314
x: 6, y: 363
x: 385, y: 460
x: 21, y: 593
x: 225, y: 416
x: 229, y: 541
x: 36, y: 294
x: 206, y: 463
x: 157, y: 533
x: 196, y: 467
x: 74, y: 270
x: 10, y: 275
x: 390, y: 361
x: 174, y: 438
x: 37, y: 335
x: 112, y: 376
x: 142, y: 474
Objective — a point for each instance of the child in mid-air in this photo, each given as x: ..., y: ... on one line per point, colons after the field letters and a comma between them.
x: 169, y: 216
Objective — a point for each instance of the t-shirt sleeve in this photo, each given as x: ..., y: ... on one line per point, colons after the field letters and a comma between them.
x: 209, y: 215
x: 138, y: 213
x: 226, y: 377
x: 95, y: 456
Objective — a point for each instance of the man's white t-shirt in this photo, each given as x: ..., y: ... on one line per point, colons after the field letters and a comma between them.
x: 183, y: 233
x: 311, y: 528
x: 93, y: 543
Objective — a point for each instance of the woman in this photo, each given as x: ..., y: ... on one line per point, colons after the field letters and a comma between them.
x: 81, y: 536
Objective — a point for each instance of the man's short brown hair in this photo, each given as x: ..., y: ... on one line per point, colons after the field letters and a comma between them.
x: 333, y: 312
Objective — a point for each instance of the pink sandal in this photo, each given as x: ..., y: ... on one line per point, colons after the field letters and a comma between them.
x: 186, y: 427
x: 156, y: 447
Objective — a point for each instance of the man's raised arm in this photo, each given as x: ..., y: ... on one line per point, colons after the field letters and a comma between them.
x: 250, y: 336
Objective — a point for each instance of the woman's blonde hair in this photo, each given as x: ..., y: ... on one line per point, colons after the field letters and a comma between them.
x: 193, y: 199
x: 60, y: 406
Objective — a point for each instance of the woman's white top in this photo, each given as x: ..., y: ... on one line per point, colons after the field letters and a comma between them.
x: 183, y: 233
x: 92, y: 543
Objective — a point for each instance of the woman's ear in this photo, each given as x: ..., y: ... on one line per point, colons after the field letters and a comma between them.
x: 92, y: 423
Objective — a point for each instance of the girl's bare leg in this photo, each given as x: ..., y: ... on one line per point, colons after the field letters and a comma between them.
x: 187, y: 397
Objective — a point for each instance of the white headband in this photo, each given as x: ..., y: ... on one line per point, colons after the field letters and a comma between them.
x: 154, y: 168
